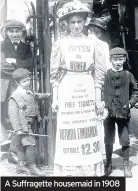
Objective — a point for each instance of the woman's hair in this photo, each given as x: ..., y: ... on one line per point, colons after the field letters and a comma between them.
x: 83, y: 15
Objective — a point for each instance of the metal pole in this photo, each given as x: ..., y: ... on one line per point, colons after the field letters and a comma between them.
x: 55, y: 23
x: 47, y: 49
x: 40, y: 20
x: 35, y: 46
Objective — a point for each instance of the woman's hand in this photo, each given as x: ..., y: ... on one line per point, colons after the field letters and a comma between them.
x: 98, y: 101
x: 55, y: 106
x: 99, y: 108
x: 129, y: 106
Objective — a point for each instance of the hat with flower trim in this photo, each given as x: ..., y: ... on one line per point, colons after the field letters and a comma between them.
x: 74, y: 6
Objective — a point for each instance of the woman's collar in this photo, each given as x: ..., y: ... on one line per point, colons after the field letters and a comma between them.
x: 77, y: 36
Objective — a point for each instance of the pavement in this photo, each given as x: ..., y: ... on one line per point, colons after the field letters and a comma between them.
x: 131, y: 183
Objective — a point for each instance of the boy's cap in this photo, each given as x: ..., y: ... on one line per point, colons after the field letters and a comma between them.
x: 117, y: 52
x: 14, y: 24
x: 20, y: 73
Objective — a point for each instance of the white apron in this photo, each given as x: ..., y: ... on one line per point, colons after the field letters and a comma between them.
x: 77, y: 137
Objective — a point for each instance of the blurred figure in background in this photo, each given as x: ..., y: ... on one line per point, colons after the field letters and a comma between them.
x: 96, y: 28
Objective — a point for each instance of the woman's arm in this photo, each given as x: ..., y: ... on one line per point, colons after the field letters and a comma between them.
x: 55, y: 63
x: 100, y: 71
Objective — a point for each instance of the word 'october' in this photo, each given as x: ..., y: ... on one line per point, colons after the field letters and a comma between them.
x: 80, y: 104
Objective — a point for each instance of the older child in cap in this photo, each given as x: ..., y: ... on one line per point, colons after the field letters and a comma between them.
x: 120, y: 94
x: 23, y: 110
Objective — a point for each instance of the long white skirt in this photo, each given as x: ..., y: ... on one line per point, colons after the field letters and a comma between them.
x: 78, y: 133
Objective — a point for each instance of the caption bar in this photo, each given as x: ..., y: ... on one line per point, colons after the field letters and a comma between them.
x: 98, y: 183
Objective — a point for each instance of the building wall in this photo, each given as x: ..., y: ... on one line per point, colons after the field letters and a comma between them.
x: 17, y: 9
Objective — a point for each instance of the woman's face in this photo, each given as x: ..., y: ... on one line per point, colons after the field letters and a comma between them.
x: 76, y: 24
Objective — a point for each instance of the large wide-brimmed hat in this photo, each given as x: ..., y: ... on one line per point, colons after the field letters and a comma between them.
x: 74, y: 6
x: 98, y: 22
x: 14, y: 24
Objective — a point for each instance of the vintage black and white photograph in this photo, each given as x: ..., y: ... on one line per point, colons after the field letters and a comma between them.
x: 69, y: 88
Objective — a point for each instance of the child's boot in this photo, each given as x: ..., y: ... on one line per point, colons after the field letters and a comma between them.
x: 31, y: 159
x: 127, y: 170
x: 12, y: 158
x: 21, y: 168
x: 108, y: 165
x: 34, y: 170
x: 125, y: 153
x: 108, y: 168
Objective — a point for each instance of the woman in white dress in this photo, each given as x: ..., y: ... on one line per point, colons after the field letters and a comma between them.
x: 77, y: 76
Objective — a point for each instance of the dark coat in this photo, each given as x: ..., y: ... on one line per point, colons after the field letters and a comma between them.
x: 23, y: 56
x: 120, y: 90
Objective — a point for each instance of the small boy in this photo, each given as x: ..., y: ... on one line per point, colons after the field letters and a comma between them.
x: 23, y: 110
x: 120, y: 95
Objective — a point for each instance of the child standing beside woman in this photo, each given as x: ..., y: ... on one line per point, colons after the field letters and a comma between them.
x: 120, y: 95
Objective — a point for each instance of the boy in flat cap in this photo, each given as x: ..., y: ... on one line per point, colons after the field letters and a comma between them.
x: 120, y: 95
x: 23, y: 110
x: 15, y: 54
